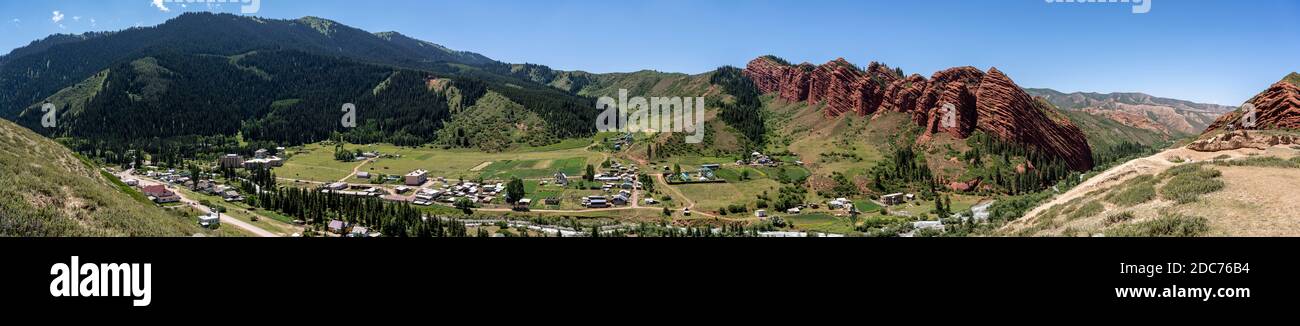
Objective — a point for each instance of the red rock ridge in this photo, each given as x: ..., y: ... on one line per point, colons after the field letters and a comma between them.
x: 988, y: 102
x: 1005, y: 110
x: 1275, y: 108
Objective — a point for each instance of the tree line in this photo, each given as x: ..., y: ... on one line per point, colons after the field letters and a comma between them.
x: 389, y: 218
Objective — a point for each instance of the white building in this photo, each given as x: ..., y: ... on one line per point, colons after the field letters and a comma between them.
x: 210, y: 220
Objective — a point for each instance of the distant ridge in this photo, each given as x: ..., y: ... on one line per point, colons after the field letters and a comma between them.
x: 1165, y: 115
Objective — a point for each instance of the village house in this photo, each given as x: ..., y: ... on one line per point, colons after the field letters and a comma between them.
x: 336, y: 226
x: 933, y: 225
x: 595, y: 202
x: 561, y: 179
x: 264, y: 163
x: 160, y: 194
x: 359, y: 232
x: 210, y: 220
x: 892, y: 199
x: 523, y: 203
x: 363, y: 175
x: 838, y: 203
x: 417, y: 177
x: 426, y: 197
x: 762, y: 213
x: 232, y: 196
x: 337, y: 186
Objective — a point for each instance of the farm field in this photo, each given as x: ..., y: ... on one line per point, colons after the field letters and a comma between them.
x: 642, y: 214
x: 534, y: 169
x: 821, y: 222
x: 570, y: 198
x: 315, y: 162
x: 919, y: 208
x: 713, y: 196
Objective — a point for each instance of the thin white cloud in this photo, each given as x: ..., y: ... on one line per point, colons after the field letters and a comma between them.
x: 62, y: 27
x: 58, y: 16
x: 161, y: 7
x: 16, y: 20
x: 92, y: 22
x: 76, y: 18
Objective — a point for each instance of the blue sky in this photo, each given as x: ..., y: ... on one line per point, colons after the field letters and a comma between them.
x: 1216, y: 51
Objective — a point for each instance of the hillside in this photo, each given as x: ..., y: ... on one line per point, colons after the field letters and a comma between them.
x: 1103, y: 131
x: 1179, y: 192
x: 1164, y: 115
x: 31, y: 73
x: 1278, y: 107
x: 988, y: 102
x: 1234, y: 180
x: 265, y: 81
x: 47, y: 191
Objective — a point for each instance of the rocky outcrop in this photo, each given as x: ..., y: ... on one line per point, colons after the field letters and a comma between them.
x: 839, y: 85
x: 1009, y: 113
x: 964, y: 186
x: 1241, y: 139
x: 956, y: 101
x: 1275, y: 108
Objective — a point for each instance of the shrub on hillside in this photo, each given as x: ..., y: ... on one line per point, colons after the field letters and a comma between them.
x: 1168, y: 225
x: 1137, y: 191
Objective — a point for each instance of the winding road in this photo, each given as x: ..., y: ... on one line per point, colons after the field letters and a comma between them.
x: 225, y: 219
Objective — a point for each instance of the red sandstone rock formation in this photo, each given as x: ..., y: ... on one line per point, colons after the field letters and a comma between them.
x: 964, y: 186
x: 1242, y: 139
x: 987, y: 102
x: 1276, y: 108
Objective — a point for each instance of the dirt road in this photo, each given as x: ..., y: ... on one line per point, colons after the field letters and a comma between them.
x: 225, y: 219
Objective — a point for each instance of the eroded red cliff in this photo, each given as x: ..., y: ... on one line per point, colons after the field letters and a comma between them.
x: 1275, y: 108
x: 956, y: 101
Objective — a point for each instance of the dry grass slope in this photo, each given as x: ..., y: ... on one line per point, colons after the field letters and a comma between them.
x: 1180, y: 192
x: 46, y: 191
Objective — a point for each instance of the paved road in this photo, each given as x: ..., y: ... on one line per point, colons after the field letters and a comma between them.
x: 225, y: 219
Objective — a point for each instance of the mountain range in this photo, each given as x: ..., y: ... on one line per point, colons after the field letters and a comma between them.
x: 274, y: 80
x: 204, y: 83
x: 1177, y: 118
